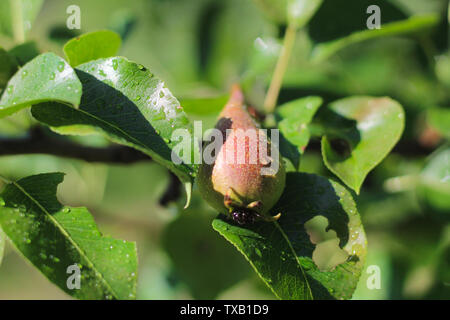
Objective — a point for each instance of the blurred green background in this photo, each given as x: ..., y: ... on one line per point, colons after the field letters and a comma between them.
x: 200, y: 47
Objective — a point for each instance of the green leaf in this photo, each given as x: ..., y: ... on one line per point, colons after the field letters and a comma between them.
x: 205, y: 110
x: 360, y: 132
x: 46, y: 78
x: 293, y: 119
x: 296, y: 13
x: 274, y: 9
x: 24, y: 52
x: 301, y: 11
x: 281, y: 252
x: 53, y: 237
x: 201, y: 259
x: 405, y: 27
x: 16, y: 17
x: 435, y: 182
x: 128, y: 105
x: 2, y: 244
x: 439, y: 119
x: 92, y: 46
x: 8, y: 66
x: 342, y: 29
x: 339, y: 16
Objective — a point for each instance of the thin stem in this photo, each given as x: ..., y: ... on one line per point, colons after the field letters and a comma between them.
x: 17, y: 21
x: 280, y: 69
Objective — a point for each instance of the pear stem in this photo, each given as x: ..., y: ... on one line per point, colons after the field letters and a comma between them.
x: 280, y: 69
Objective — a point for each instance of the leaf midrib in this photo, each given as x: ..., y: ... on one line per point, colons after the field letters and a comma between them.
x: 65, y: 233
x: 295, y: 255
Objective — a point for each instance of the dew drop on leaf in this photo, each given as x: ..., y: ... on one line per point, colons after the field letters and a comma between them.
x: 61, y: 66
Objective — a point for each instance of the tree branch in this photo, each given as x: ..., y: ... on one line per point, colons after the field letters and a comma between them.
x: 39, y: 142
x: 172, y: 192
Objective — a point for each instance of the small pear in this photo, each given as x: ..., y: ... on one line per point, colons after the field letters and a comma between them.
x: 247, y: 176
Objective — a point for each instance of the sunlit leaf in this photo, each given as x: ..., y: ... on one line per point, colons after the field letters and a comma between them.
x: 299, y: 12
x: 293, y: 119
x: 46, y: 78
x: 360, y: 132
x: 127, y: 104
x: 54, y: 237
x: 281, y: 252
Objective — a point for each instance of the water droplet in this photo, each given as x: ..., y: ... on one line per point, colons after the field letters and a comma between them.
x: 115, y: 64
x: 10, y: 89
x: 24, y: 73
x: 161, y: 94
x: 61, y: 66
x: 137, y: 98
x: 111, y: 247
x: 66, y: 210
x: 141, y: 67
x: 52, y: 76
x: 102, y: 73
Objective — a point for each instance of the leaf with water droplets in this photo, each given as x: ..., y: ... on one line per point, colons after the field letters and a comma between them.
x: 92, y: 46
x: 359, y: 133
x: 45, y: 78
x: 293, y: 119
x: 58, y: 241
x: 129, y: 105
x: 281, y: 252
